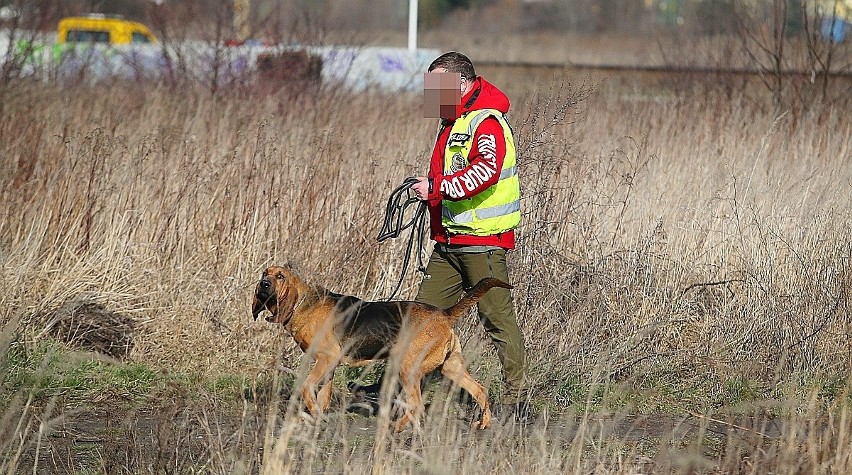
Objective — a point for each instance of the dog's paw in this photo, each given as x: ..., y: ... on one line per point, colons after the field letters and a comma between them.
x: 306, y: 417
x: 481, y: 424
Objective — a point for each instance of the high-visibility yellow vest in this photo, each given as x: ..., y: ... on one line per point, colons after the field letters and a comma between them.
x: 496, y: 209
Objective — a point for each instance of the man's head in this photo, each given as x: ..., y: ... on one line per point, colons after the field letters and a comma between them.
x: 450, y: 77
x: 454, y: 62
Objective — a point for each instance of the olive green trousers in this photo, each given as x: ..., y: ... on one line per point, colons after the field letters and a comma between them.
x: 451, y: 271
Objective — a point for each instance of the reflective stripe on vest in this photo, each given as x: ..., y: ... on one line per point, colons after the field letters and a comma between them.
x: 466, y: 217
x: 496, y: 209
x: 508, y: 172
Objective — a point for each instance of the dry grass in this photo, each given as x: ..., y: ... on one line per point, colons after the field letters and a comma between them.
x: 684, y: 254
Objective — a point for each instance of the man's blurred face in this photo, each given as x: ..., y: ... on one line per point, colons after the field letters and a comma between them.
x: 442, y: 94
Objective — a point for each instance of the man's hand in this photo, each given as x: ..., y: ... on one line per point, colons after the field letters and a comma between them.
x: 421, y: 188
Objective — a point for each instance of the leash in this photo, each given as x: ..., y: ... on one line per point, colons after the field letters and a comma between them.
x: 400, y: 200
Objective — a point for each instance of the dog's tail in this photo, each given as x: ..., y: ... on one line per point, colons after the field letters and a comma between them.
x: 456, y: 311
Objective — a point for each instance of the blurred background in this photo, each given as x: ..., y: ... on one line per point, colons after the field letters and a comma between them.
x: 772, y: 38
x: 271, y: 19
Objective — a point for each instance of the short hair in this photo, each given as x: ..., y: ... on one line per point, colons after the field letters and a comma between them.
x: 455, y: 62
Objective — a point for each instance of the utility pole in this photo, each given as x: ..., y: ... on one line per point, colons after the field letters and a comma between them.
x: 412, y: 25
x: 241, y: 19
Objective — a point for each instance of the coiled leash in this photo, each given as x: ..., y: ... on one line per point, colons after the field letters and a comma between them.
x: 400, y: 200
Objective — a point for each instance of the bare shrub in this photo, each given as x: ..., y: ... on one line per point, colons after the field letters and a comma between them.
x: 90, y: 326
x: 775, y: 52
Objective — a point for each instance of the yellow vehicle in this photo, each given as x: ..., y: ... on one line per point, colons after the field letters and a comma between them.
x: 98, y: 28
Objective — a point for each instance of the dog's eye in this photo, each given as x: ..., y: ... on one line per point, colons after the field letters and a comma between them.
x: 280, y: 276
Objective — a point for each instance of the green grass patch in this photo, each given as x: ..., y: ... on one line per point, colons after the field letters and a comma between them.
x: 739, y: 390
x: 48, y: 369
x: 228, y: 385
x: 706, y: 393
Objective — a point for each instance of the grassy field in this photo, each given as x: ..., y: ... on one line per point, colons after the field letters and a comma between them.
x: 682, y: 278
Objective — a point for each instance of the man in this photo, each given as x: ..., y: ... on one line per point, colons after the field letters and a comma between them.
x: 473, y: 199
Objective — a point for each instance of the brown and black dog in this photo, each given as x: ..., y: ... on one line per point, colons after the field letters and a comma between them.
x: 337, y: 329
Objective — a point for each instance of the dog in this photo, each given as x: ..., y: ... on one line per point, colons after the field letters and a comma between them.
x: 336, y: 329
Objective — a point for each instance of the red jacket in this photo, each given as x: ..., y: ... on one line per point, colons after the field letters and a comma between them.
x: 489, y: 148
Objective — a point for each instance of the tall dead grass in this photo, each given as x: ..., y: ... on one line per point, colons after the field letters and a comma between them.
x: 679, y: 253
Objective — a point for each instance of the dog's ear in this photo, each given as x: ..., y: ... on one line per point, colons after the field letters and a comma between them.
x: 283, y: 306
x: 256, y: 306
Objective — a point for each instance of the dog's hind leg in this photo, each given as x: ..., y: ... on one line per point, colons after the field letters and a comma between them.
x: 455, y: 371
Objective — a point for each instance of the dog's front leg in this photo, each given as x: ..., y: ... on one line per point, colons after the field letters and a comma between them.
x: 410, y: 377
x: 321, y: 372
x: 324, y: 394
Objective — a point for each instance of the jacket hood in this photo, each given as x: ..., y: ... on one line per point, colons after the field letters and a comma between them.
x: 485, y: 95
